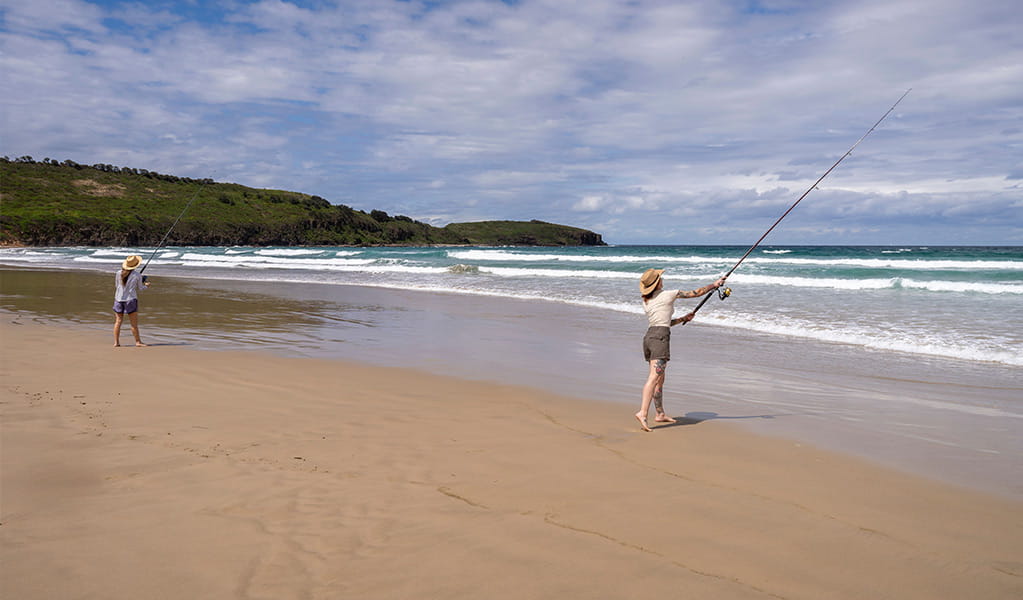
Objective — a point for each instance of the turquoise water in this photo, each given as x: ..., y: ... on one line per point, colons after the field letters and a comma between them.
x: 963, y: 303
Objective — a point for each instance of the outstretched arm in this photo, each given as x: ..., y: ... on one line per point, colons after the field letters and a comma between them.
x: 701, y: 291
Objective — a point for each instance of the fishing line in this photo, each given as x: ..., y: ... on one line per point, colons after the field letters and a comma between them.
x: 725, y: 292
x: 175, y: 224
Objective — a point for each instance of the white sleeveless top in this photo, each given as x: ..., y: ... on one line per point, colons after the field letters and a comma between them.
x: 660, y: 308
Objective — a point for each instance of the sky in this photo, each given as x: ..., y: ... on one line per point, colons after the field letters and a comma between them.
x: 649, y: 122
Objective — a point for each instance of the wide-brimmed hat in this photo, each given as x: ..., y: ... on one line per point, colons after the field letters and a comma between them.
x: 648, y: 282
x: 132, y: 262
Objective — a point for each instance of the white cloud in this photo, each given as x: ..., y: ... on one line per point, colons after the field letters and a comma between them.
x: 590, y: 204
x: 52, y: 16
x: 616, y: 114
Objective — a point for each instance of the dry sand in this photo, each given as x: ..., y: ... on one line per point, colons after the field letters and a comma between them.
x: 164, y: 472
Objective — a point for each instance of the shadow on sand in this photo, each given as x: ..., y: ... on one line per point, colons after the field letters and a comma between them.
x: 693, y: 418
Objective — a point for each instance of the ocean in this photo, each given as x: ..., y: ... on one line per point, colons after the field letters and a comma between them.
x: 962, y: 303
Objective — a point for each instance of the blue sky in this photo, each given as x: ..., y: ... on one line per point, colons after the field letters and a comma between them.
x: 649, y: 122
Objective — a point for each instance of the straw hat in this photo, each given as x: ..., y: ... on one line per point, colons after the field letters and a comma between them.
x: 648, y: 282
x: 131, y: 263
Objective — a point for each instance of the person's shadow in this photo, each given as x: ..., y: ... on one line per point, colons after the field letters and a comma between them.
x: 694, y: 418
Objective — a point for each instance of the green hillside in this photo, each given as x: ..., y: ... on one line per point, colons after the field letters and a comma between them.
x: 52, y: 203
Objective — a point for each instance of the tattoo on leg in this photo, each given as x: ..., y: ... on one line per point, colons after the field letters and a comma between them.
x: 659, y: 400
x: 660, y: 366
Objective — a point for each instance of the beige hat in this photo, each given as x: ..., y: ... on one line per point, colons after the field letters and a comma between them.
x: 648, y: 282
x: 131, y: 263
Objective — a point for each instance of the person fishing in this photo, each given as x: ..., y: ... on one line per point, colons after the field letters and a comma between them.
x: 127, y: 284
x: 130, y: 282
x: 659, y: 305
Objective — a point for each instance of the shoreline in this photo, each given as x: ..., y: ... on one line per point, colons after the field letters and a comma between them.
x: 171, y: 472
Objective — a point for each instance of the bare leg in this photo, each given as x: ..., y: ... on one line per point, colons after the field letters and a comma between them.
x: 118, y: 319
x: 660, y: 417
x: 134, y: 318
x: 654, y: 382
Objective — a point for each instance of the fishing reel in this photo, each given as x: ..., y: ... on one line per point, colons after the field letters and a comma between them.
x: 724, y: 292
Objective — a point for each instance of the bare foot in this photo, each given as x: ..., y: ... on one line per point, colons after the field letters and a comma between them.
x: 117, y: 345
x: 664, y: 419
x: 140, y: 344
x: 642, y: 422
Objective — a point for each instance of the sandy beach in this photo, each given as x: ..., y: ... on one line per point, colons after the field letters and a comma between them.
x: 170, y: 472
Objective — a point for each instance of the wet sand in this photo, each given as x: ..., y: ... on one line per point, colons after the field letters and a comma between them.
x: 176, y: 472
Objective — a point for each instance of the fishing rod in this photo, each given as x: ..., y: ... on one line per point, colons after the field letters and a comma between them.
x: 726, y: 292
x: 175, y: 224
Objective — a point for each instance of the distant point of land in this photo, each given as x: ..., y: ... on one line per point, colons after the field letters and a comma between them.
x: 53, y: 203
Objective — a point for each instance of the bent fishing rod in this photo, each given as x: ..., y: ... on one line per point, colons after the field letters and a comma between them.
x: 175, y: 224
x: 725, y: 292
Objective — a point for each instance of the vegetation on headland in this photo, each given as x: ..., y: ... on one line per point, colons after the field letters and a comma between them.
x: 52, y: 203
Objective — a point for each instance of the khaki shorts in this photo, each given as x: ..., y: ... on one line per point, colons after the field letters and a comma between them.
x: 657, y: 344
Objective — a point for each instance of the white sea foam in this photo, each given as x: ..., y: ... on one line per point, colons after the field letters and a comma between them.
x: 24, y: 255
x: 814, y: 282
x: 963, y: 286
x: 287, y: 252
x: 776, y: 259
x: 121, y: 252
x: 899, y: 264
x: 109, y: 259
x: 575, y: 274
x: 935, y: 345
x: 512, y: 256
x: 278, y: 262
x: 877, y: 284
